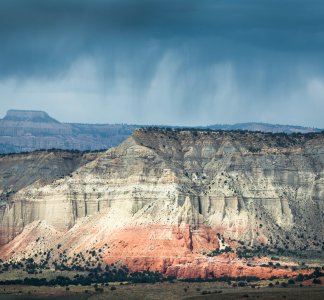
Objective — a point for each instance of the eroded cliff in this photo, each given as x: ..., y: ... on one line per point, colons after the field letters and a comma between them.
x: 164, y: 197
x: 18, y: 171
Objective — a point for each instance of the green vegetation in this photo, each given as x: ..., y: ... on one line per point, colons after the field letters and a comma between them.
x: 244, y: 279
x: 52, y: 150
x: 215, y: 252
x: 87, y: 269
x: 274, y: 253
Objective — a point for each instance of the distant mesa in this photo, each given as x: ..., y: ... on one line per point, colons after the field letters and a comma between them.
x: 29, y: 130
x: 36, y: 116
x: 265, y: 127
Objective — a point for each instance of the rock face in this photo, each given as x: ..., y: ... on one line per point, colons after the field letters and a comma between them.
x: 21, y: 170
x: 163, y: 197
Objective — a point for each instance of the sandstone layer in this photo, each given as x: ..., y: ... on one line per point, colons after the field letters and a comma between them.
x: 164, y: 198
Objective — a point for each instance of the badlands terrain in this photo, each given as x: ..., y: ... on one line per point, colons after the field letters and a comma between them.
x: 182, y: 203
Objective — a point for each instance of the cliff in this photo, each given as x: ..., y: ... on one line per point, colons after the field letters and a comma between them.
x: 164, y: 197
x: 22, y: 170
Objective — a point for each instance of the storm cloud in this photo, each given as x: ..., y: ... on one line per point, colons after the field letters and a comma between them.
x: 164, y: 61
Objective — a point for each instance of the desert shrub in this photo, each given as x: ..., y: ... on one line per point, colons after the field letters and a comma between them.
x: 300, y: 277
x: 99, y: 290
x: 242, y: 283
x: 206, y: 292
x: 274, y: 258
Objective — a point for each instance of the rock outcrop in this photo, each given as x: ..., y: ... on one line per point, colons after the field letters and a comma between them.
x: 163, y: 198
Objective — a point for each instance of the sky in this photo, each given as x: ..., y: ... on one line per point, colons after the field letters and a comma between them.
x: 176, y: 62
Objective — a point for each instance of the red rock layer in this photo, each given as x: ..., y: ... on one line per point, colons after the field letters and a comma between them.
x: 170, y: 249
x: 178, y: 251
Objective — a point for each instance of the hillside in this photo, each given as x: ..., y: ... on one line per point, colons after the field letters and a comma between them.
x: 173, y: 200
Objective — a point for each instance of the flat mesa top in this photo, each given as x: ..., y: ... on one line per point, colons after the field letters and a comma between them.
x: 28, y: 116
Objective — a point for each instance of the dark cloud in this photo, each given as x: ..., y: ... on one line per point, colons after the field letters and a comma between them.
x: 167, y: 60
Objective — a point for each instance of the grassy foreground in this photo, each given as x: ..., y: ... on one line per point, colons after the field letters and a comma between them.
x: 165, y: 290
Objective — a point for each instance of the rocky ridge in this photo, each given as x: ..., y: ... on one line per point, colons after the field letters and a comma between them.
x: 24, y: 130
